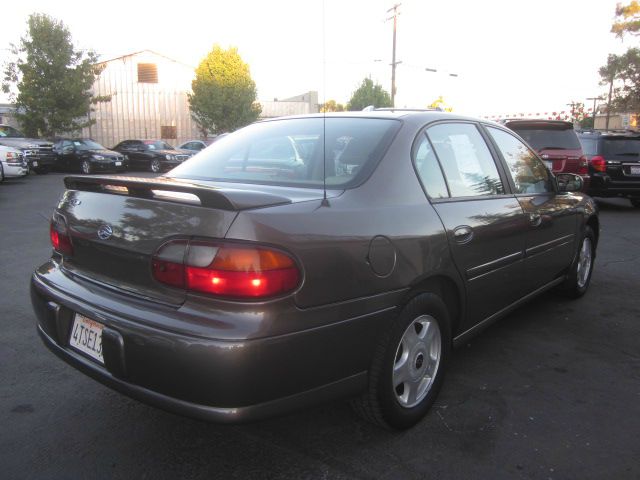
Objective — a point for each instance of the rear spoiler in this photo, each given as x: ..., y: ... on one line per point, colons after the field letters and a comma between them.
x: 172, y: 190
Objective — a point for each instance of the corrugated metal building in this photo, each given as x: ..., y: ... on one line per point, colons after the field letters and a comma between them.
x: 148, y: 100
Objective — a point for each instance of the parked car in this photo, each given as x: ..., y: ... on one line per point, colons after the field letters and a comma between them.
x: 614, y: 164
x: 196, y: 145
x: 153, y: 155
x: 87, y: 156
x: 237, y: 287
x: 12, y: 163
x: 38, y: 153
x: 557, y: 144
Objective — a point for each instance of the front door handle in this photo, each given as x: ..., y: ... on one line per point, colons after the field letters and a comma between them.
x: 463, y: 234
x: 535, y: 219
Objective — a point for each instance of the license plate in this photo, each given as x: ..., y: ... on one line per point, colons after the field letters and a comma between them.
x: 35, y: 164
x: 635, y: 170
x: 118, y: 164
x: 86, y: 337
x: 549, y: 164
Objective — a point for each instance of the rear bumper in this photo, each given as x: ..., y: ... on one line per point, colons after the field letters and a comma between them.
x: 201, y: 376
x: 605, y: 186
x: 14, y: 170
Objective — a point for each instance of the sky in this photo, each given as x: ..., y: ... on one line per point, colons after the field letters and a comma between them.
x: 510, y: 57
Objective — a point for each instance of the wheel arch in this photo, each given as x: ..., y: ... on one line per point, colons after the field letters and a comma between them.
x: 449, y: 291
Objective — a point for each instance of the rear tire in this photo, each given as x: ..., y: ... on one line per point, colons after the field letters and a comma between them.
x: 579, y: 278
x: 42, y: 170
x: 408, y: 366
x: 1, y: 173
x: 635, y: 202
x: 155, y: 166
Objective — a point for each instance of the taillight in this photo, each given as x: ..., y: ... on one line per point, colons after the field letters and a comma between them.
x: 225, y: 269
x: 59, y: 234
x: 583, y: 166
x: 598, y: 163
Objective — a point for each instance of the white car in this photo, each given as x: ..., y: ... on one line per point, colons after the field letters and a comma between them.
x: 12, y: 163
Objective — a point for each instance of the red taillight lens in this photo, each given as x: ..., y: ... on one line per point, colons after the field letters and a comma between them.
x: 59, y: 235
x: 598, y: 163
x: 583, y: 166
x: 227, y: 270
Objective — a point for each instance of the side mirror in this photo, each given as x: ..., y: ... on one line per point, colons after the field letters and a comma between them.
x: 569, y: 182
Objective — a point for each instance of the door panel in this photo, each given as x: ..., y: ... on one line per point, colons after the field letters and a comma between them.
x: 551, y: 241
x: 491, y: 256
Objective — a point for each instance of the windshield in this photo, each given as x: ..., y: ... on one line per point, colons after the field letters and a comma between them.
x: 291, y: 152
x: 621, y: 148
x: 157, y: 145
x: 87, y: 144
x: 9, y: 132
x: 549, y: 138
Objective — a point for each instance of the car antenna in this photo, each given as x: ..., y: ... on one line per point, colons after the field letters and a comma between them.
x: 325, y: 201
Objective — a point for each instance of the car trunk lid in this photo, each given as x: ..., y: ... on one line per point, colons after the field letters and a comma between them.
x: 117, y: 223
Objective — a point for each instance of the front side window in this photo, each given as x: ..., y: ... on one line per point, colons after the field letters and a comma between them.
x: 527, y: 171
x: 466, y: 160
x: 305, y: 152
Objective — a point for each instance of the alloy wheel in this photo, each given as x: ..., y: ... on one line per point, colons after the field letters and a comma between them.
x: 416, y: 361
x: 584, y: 262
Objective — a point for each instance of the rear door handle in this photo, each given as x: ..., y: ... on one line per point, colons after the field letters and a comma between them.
x: 463, y: 234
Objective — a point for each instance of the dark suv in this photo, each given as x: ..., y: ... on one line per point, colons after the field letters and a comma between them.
x: 614, y: 164
x: 557, y: 143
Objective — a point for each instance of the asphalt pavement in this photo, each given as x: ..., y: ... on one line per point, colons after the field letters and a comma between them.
x: 550, y: 392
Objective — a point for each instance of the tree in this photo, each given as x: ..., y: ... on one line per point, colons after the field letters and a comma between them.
x: 224, y: 95
x: 368, y: 94
x: 622, y: 74
x: 331, y: 106
x: 50, y: 81
x: 627, y: 19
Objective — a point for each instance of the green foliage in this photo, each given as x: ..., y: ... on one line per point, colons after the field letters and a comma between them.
x: 627, y: 19
x: 331, y: 106
x: 224, y: 95
x: 624, y: 72
x: 367, y: 94
x: 49, y: 80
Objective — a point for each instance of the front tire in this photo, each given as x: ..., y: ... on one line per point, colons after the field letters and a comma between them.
x: 635, y: 202
x: 1, y: 173
x: 155, y: 166
x: 85, y: 167
x: 409, y: 365
x: 579, y: 278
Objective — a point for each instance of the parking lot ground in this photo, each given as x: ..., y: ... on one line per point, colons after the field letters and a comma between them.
x: 551, y: 391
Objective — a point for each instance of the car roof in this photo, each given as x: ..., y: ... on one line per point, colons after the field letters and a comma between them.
x: 416, y: 116
x: 609, y: 133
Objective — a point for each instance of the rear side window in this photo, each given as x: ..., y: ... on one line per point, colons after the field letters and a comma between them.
x: 527, y: 170
x: 589, y: 145
x: 296, y: 152
x: 549, y: 137
x: 429, y: 171
x: 465, y: 159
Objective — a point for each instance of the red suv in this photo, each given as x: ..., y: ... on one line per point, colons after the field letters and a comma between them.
x: 557, y: 144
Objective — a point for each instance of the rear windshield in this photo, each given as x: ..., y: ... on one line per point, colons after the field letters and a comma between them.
x: 295, y: 152
x: 621, y: 148
x: 548, y: 138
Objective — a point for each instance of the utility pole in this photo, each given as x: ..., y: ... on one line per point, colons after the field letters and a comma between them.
x: 595, y: 99
x: 393, y: 57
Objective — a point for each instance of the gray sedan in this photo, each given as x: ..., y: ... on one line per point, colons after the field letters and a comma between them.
x: 308, y: 258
